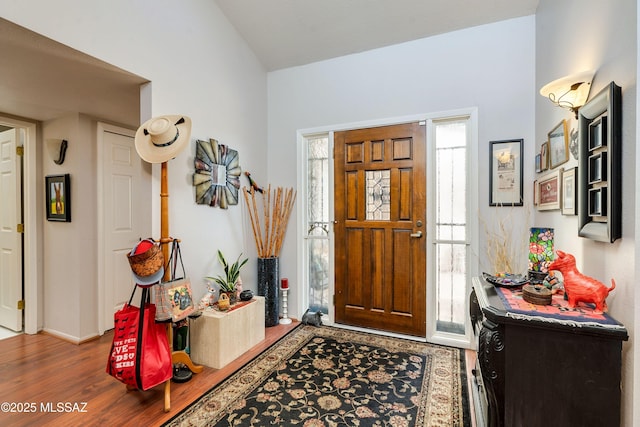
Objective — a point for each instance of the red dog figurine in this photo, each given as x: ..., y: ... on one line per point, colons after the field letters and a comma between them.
x: 579, y: 287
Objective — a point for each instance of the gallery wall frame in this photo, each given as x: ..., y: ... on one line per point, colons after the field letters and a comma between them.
x: 58, y: 201
x: 549, y: 192
x: 569, y: 191
x: 600, y: 166
x: 558, y: 145
x: 544, y: 156
x: 505, y: 172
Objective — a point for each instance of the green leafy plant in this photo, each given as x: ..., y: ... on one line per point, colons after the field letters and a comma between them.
x: 228, y: 282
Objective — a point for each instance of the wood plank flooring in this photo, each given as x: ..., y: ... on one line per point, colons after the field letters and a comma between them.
x: 50, y: 382
x: 40, y: 372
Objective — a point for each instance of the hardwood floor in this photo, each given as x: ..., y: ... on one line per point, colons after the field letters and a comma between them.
x: 50, y: 382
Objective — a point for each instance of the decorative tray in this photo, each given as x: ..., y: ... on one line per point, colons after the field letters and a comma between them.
x: 506, y: 280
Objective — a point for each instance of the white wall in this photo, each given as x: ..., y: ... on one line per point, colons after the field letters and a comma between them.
x: 574, y: 36
x: 490, y: 67
x: 198, y: 66
x: 70, y: 247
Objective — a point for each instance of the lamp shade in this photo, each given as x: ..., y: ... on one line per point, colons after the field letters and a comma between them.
x: 569, y: 92
x: 540, y: 249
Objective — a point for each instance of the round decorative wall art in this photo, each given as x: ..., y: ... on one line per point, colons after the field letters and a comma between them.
x: 217, y: 175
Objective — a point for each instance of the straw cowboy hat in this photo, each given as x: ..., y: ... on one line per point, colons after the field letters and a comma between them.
x: 147, y: 263
x: 160, y: 139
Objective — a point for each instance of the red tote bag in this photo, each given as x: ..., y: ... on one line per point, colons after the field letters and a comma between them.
x: 140, y: 356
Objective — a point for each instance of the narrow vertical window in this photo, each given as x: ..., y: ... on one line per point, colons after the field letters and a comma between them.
x: 317, y: 222
x: 451, y: 234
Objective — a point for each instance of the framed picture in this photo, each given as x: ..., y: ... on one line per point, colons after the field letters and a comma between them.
x: 544, y: 156
x: 538, y: 163
x: 550, y: 191
x: 558, y: 145
x: 536, y: 193
x: 505, y: 172
x: 58, y: 190
x: 569, y: 191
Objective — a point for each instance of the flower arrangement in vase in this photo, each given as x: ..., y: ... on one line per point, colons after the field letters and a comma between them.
x: 230, y: 281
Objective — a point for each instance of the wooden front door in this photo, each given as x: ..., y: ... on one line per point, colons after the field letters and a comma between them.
x: 380, y: 212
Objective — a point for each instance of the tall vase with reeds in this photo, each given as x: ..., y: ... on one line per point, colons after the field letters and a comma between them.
x: 269, y: 221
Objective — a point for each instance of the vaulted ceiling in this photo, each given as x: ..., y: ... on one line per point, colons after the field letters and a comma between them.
x: 286, y: 33
x: 42, y: 79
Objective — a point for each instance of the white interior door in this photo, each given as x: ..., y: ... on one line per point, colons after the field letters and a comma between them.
x: 126, y: 214
x: 10, y: 238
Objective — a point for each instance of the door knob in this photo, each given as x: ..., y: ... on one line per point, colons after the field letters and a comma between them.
x: 416, y: 235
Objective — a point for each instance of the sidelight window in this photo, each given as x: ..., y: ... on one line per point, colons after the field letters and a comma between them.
x: 451, y: 206
x: 317, y: 233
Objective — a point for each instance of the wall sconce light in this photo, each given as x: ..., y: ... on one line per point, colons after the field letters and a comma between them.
x: 57, y: 149
x: 569, y: 92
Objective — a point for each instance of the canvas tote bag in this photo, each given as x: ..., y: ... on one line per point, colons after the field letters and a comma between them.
x: 173, y: 298
x: 140, y: 355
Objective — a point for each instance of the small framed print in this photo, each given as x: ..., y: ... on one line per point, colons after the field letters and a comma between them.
x: 558, y: 145
x: 58, y: 190
x: 544, y: 156
x: 550, y: 191
x: 505, y: 175
x: 569, y: 191
x: 538, y: 163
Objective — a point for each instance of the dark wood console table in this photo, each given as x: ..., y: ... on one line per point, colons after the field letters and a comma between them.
x: 532, y: 371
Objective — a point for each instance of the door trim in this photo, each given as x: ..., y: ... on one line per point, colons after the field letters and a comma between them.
x: 32, y: 208
x: 300, y: 300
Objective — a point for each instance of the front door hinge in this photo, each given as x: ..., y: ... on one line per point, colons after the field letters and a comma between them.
x: 21, y: 304
x: 20, y: 228
x: 20, y: 151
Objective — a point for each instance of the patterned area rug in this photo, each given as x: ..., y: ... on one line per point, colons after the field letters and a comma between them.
x: 334, y: 377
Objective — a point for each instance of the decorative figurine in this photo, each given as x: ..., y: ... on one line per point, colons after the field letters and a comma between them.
x: 208, y: 299
x: 552, y: 283
x: 254, y: 184
x: 312, y: 318
x: 579, y: 287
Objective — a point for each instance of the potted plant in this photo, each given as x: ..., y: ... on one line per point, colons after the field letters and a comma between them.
x: 231, y: 278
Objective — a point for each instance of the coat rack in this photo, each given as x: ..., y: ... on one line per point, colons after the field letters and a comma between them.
x: 159, y: 140
x: 176, y: 356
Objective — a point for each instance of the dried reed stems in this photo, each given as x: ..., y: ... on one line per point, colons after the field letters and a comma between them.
x: 507, y: 238
x: 269, y: 221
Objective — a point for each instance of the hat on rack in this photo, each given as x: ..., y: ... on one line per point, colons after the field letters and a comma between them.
x: 160, y: 139
x: 147, y: 262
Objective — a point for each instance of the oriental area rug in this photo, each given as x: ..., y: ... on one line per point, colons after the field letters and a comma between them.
x: 325, y: 376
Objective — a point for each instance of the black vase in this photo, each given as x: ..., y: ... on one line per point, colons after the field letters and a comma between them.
x: 268, y: 279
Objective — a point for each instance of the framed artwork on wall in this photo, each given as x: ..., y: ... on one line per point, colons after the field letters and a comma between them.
x: 550, y: 191
x: 569, y: 191
x: 544, y: 156
x: 558, y: 145
x: 58, y: 191
x: 538, y: 163
x: 505, y: 172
